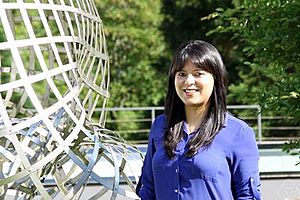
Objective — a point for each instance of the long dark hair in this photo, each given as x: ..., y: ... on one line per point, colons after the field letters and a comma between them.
x: 206, y: 57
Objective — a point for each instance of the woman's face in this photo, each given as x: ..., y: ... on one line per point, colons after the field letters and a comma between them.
x: 193, y: 85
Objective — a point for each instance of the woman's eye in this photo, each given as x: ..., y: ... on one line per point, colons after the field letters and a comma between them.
x: 199, y: 73
x: 180, y: 74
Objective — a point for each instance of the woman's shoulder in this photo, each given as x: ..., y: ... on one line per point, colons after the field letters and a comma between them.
x: 238, y: 126
x: 236, y: 122
x: 159, y: 127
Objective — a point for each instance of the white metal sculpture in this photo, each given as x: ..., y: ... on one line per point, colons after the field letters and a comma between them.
x: 54, y: 73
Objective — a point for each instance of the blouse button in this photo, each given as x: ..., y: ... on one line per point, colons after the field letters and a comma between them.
x: 176, y: 170
x: 176, y: 190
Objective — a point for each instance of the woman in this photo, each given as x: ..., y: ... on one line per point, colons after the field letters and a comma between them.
x: 197, y: 150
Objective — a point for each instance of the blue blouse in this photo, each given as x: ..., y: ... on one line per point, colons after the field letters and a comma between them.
x: 227, y: 169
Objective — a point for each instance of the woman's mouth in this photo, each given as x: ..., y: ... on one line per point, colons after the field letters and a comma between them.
x: 190, y: 90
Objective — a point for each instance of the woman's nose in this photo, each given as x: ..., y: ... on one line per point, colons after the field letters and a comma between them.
x: 190, y: 79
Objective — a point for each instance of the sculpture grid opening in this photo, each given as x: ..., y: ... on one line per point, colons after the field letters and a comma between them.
x: 54, y: 74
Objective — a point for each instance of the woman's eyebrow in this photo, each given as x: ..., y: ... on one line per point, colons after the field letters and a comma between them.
x: 195, y: 70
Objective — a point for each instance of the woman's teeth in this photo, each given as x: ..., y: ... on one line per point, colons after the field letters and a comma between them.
x: 190, y: 90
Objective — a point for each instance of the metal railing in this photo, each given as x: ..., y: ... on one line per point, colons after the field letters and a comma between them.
x: 154, y: 111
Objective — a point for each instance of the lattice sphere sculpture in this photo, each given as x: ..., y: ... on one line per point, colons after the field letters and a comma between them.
x: 54, y: 74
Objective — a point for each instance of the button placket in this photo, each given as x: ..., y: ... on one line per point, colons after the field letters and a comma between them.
x: 176, y: 189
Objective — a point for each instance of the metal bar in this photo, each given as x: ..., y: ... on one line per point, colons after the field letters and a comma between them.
x: 153, y: 114
x: 259, y: 125
x: 130, y: 108
x: 287, y: 128
x: 243, y: 107
x: 162, y: 108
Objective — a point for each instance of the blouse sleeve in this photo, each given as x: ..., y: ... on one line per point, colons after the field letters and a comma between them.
x: 145, y: 188
x: 244, y: 169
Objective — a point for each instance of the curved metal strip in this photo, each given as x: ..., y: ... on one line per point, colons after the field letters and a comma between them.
x: 62, y: 136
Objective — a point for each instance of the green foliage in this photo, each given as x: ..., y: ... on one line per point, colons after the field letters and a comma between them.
x: 293, y: 148
x: 182, y: 20
x: 135, y: 46
x: 268, y: 35
x: 269, y: 32
x: 2, y: 34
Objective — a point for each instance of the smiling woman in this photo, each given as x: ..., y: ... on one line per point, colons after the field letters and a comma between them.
x: 197, y: 65
x: 197, y: 150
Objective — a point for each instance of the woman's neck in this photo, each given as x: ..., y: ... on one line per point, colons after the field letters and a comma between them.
x: 194, y: 116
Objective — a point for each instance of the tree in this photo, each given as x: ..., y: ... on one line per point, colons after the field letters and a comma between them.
x: 135, y: 45
x: 268, y: 32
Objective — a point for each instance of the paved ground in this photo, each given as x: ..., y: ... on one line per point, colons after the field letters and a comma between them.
x: 281, y: 189
x: 273, y: 163
x: 272, y: 189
